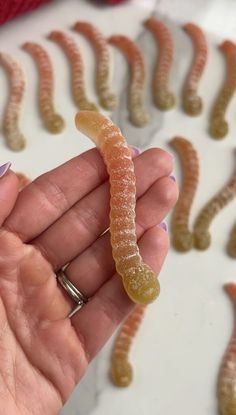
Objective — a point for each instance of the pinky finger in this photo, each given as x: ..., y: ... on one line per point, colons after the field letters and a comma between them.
x: 9, y: 187
x: 99, y: 318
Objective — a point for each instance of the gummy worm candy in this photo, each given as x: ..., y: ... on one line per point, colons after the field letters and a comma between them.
x: 231, y: 248
x: 106, y: 98
x: 77, y: 69
x: 182, y: 237
x: 202, y: 237
x: 138, y: 115
x: 53, y: 121
x: 227, y: 374
x: 121, y: 369
x: 218, y: 125
x: 163, y: 98
x: 139, y: 279
x: 192, y: 103
x: 14, y: 138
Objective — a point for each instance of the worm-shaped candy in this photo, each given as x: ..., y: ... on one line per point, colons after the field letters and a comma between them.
x: 192, y: 103
x: 121, y: 369
x: 23, y: 180
x: 138, y: 115
x: 202, y: 237
x: 163, y: 98
x: 77, y: 69
x: 227, y: 375
x: 53, y: 121
x: 14, y: 138
x: 182, y: 238
x: 231, y: 248
x: 218, y: 125
x: 139, y: 279
x: 107, y: 99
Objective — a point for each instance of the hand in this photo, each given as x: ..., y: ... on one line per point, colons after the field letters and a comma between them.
x: 57, y: 219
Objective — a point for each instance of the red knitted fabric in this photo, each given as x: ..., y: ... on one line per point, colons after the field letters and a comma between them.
x: 11, y: 8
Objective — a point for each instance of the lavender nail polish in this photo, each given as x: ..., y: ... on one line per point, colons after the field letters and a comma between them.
x: 4, y: 168
x: 136, y: 150
x: 173, y: 178
x: 164, y: 226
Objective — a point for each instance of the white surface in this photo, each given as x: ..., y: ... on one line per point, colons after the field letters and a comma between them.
x: 180, y: 345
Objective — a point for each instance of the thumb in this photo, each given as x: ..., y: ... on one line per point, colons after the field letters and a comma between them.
x: 9, y: 189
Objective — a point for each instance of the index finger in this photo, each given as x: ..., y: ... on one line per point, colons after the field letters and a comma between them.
x: 48, y: 197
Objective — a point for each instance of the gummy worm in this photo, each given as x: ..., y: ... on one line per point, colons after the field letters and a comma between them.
x: 218, y: 125
x: 121, y: 369
x: 138, y: 115
x: 139, y: 279
x: 53, y: 121
x: 227, y: 374
x: 231, y: 248
x: 163, y: 98
x: 77, y: 69
x: 192, y: 103
x: 14, y: 138
x: 202, y: 237
x: 106, y: 98
x: 182, y: 237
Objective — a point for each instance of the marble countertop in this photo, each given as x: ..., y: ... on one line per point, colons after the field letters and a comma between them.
x: 180, y: 345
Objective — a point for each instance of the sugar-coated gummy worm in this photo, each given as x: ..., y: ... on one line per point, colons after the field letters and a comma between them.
x: 139, y: 280
x: 218, y: 125
x: 192, y: 103
x: 73, y: 53
x: 231, y: 248
x: 182, y: 237
x: 14, y: 138
x: 52, y: 121
x: 164, y: 99
x: 121, y: 369
x: 23, y: 180
x: 138, y: 114
x: 226, y: 388
x: 202, y: 237
x: 107, y: 99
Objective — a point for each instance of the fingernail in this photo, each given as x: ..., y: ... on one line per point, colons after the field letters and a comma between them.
x: 173, y: 178
x: 4, y: 168
x: 136, y: 150
x: 164, y: 226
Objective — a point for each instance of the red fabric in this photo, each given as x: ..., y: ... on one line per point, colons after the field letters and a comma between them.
x: 11, y: 8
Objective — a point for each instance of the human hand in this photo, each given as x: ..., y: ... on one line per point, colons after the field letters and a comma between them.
x: 60, y: 218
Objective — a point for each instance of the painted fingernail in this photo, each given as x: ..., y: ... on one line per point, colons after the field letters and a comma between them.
x: 164, y: 226
x: 173, y: 178
x: 4, y: 168
x: 136, y: 150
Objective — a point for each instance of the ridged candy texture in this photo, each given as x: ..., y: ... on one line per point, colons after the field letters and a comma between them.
x: 164, y: 99
x: 139, y: 280
x: 52, y: 121
x: 192, y: 103
x: 107, y: 98
x: 15, y: 140
x: 121, y: 369
x: 227, y: 374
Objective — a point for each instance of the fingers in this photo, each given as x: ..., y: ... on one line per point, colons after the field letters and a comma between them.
x: 85, y: 221
x: 53, y: 193
x: 9, y: 188
x: 151, y: 209
x: 97, y: 320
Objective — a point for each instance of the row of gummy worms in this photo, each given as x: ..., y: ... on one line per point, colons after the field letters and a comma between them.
x: 163, y: 98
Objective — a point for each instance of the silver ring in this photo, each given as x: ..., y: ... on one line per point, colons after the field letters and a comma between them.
x: 73, y: 292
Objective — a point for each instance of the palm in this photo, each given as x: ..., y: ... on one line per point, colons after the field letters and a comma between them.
x: 44, y: 353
